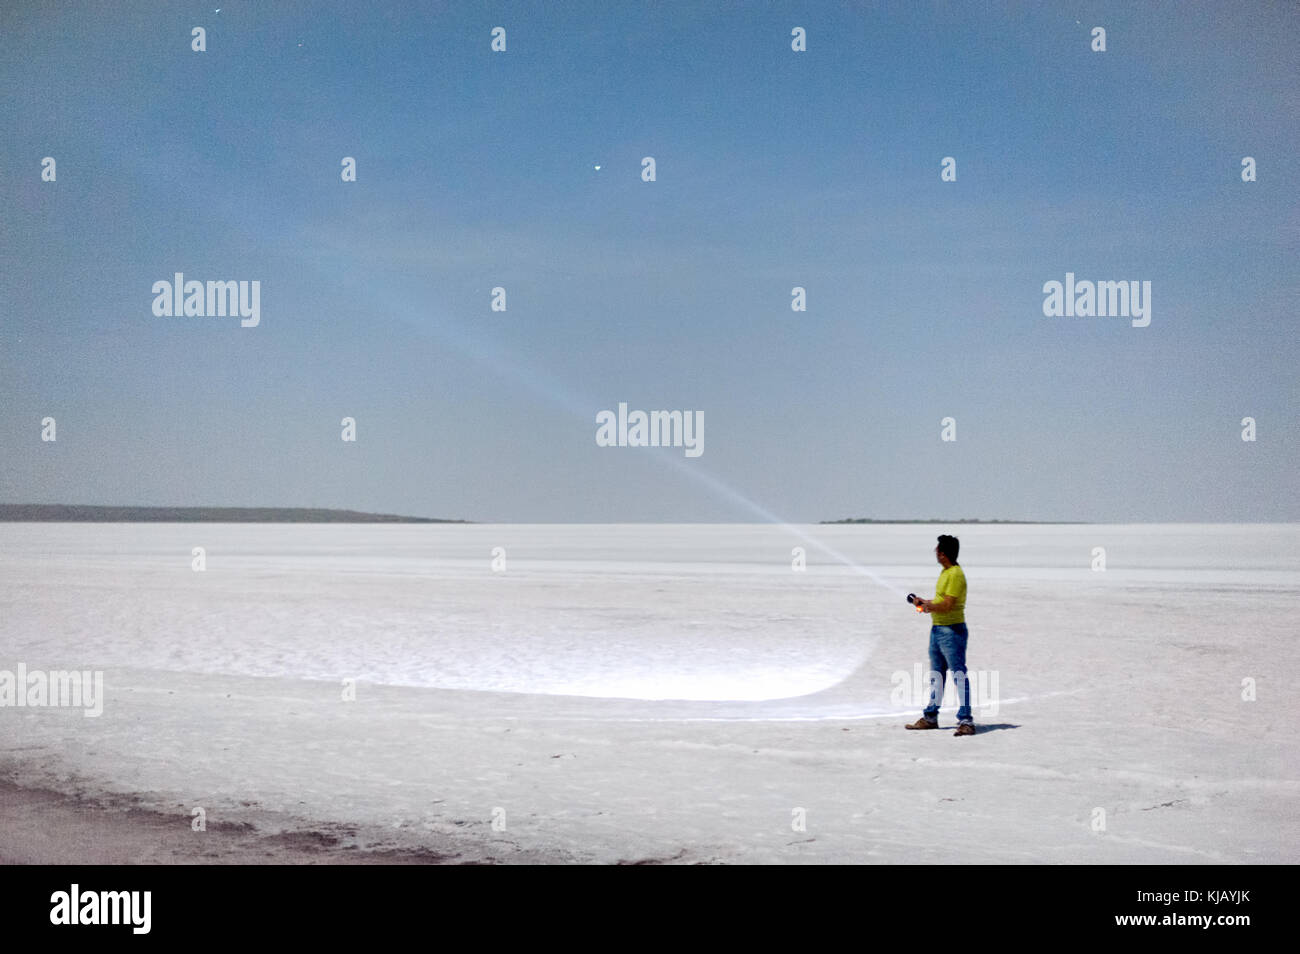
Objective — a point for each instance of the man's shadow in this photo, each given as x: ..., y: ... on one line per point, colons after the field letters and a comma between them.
x: 981, y: 728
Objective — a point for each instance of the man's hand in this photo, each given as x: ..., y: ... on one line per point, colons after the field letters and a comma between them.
x: 936, y: 606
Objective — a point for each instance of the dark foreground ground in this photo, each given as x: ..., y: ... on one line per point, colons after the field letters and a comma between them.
x: 38, y: 826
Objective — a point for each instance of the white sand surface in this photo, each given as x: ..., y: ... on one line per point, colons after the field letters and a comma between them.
x: 644, y: 692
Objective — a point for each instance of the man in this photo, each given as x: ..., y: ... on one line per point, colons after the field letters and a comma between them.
x: 947, y: 639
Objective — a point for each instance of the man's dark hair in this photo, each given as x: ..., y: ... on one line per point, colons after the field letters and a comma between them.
x: 948, y: 546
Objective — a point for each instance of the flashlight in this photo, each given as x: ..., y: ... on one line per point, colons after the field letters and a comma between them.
x: 915, y: 601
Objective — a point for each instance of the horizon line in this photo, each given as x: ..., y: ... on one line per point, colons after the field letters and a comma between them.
x: 115, y: 513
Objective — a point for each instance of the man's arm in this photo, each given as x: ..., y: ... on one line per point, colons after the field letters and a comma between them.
x: 940, y: 605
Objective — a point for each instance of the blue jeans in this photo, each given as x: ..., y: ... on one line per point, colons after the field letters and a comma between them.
x: 948, y: 654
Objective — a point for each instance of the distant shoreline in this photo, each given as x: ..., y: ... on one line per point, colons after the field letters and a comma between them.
x: 74, y: 513
x: 964, y: 520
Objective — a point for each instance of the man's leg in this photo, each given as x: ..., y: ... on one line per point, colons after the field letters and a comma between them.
x: 954, y: 648
x: 938, y: 674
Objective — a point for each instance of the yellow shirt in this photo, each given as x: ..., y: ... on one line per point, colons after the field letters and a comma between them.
x: 952, y: 582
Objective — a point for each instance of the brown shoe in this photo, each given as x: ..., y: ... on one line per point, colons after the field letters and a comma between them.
x: 965, y: 729
x: 923, y: 723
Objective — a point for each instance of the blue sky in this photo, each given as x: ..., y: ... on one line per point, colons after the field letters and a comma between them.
x: 774, y: 169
